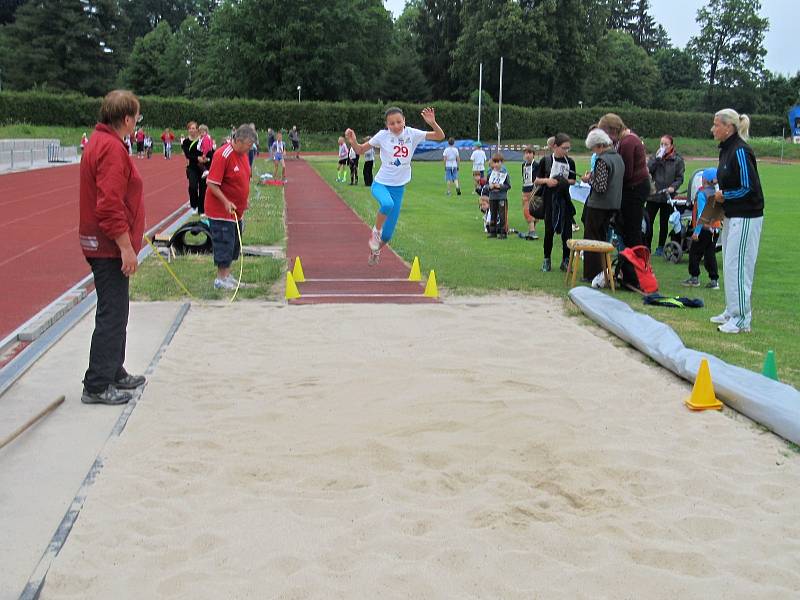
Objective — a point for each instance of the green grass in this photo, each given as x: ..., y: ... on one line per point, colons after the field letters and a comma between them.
x: 326, y: 142
x: 263, y: 226
x: 447, y: 234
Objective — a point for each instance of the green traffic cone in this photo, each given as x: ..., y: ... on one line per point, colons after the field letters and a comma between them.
x: 770, y: 368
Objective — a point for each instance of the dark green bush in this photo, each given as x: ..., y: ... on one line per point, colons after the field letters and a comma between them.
x: 458, y: 120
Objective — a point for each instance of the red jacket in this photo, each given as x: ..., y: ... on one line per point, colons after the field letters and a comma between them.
x: 110, y: 196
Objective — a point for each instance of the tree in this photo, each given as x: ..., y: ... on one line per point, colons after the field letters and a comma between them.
x: 438, y: 26
x: 633, y: 17
x: 731, y: 44
x: 678, y: 69
x: 145, y: 15
x: 63, y: 45
x: 403, y: 78
x: 336, y: 50
x: 156, y: 66
x: 7, y: 9
x: 623, y: 73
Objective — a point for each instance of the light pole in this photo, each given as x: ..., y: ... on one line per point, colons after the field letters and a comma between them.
x: 298, y: 94
x: 580, y: 103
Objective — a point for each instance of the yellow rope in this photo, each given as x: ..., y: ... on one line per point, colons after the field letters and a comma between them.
x: 171, y: 272
x: 241, y: 256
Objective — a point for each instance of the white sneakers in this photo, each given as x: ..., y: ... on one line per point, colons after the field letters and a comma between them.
x: 225, y: 284
x: 730, y: 327
x: 375, y: 240
x: 720, y: 319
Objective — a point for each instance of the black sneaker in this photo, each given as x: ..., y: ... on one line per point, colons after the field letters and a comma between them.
x: 130, y: 382
x: 564, y: 264
x: 713, y: 284
x: 546, y: 265
x: 111, y: 396
x: 458, y: 191
x: 691, y: 282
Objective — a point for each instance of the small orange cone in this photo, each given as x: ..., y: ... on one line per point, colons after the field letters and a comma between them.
x: 297, y: 272
x: 415, y: 274
x: 431, y: 291
x: 291, y: 287
x: 703, y: 397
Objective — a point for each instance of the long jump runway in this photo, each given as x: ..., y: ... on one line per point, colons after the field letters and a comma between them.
x: 40, y: 257
x: 331, y: 241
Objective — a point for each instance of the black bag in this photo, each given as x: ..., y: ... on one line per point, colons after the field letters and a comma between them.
x: 536, y: 204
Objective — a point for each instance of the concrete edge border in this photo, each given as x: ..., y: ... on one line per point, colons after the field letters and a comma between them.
x: 36, y: 582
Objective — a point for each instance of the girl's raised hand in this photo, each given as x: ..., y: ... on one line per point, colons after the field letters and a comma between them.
x: 350, y: 135
x: 429, y: 115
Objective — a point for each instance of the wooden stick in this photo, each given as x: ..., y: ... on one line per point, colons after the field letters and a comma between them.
x: 44, y: 412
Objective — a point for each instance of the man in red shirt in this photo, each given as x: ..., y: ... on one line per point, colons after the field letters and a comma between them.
x: 226, y: 201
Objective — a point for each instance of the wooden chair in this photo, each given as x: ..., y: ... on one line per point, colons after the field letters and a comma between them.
x: 578, y: 246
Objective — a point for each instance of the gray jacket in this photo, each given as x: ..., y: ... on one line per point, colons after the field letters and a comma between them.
x: 611, y: 198
x: 667, y: 172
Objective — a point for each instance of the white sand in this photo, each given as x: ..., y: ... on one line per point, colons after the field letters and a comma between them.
x: 413, y: 452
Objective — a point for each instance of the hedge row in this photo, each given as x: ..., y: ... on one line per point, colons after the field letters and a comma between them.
x: 458, y: 120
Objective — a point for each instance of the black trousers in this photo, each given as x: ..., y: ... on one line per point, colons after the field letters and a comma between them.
x: 197, y: 189
x: 498, y: 209
x: 368, y: 172
x: 353, y: 162
x: 595, y: 222
x: 107, y: 353
x: 632, y: 212
x: 549, y: 232
x: 664, y: 211
x: 706, y: 248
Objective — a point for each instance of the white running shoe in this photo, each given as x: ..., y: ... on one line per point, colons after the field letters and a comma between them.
x: 375, y: 240
x: 374, y: 257
x: 224, y: 284
x: 730, y: 327
x: 720, y: 319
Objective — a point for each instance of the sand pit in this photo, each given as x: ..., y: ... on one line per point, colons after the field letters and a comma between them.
x: 414, y: 452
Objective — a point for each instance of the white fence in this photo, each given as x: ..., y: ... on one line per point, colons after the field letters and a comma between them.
x: 28, y: 154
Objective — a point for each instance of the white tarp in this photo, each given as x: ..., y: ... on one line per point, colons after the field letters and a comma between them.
x: 770, y: 403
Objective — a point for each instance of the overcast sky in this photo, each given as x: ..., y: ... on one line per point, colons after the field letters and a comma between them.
x: 678, y: 18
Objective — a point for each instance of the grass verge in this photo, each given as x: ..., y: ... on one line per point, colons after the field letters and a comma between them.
x: 446, y: 233
x: 263, y: 226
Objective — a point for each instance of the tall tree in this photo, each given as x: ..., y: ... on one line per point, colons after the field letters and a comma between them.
x: 7, y: 9
x: 438, y: 26
x: 145, y: 15
x: 678, y: 68
x: 633, y: 17
x: 336, y: 50
x: 403, y: 78
x: 77, y: 45
x: 155, y: 65
x: 730, y: 45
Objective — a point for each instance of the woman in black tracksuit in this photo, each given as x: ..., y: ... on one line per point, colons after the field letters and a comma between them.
x: 667, y: 170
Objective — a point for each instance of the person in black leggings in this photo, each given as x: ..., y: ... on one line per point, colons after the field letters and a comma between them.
x: 667, y: 170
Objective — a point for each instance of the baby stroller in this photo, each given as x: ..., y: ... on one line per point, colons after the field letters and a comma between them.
x: 680, y: 235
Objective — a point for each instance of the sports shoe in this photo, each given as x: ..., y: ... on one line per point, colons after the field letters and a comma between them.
x: 691, y: 282
x: 659, y: 251
x: 730, y: 327
x: 720, y: 319
x: 374, y: 258
x: 458, y: 191
x: 713, y: 284
x: 532, y: 235
x: 546, y: 265
x: 110, y: 396
x: 236, y: 282
x: 130, y: 382
x: 564, y: 264
x: 224, y: 284
x: 448, y: 192
x: 502, y: 236
x: 375, y: 240
x: 576, y: 227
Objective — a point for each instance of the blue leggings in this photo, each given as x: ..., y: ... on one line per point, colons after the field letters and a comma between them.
x: 390, y: 199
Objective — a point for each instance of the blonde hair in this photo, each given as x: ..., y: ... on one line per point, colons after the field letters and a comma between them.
x: 741, y: 123
x: 612, y: 124
x: 117, y: 105
x: 203, y: 128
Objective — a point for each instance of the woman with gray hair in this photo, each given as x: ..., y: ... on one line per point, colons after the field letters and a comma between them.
x: 605, y: 198
x: 743, y: 204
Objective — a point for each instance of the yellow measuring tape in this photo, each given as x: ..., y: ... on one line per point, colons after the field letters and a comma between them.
x: 178, y: 280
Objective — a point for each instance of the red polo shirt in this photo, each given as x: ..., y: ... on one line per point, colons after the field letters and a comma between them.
x: 231, y: 172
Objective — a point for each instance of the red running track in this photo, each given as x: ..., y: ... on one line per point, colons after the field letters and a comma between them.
x: 40, y: 257
x: 331, y: 241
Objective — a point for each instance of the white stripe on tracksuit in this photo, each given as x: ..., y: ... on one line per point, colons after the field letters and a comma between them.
x: 740, y: 239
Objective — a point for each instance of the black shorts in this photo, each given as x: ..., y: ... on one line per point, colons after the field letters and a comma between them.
x: 343, y: 161
x: 139, y: 146
x: 295, y: 145
x: 225, y: 240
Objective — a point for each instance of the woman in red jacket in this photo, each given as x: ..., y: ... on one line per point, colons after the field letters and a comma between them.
x: 111, y: 230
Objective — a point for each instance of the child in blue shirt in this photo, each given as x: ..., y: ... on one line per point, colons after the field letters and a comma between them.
x: 704, y: 237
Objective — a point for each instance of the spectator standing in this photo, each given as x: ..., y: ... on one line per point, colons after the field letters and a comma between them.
x: 529, y: 168
x: 451, y: 159
x: 253, y: 152
x: 556, y: 173
x: 139, y: 137
x: 294, y: 137
x: 605, y: 197
x: 478, y: 158
x: 167, y: 137
x: 667, y: 170
x: 352, y: 161
x: 369, y: 163
x: 636, y: 184
x: 194, y: 169
x: 743, y: 203
x: 498, y: 185
x: 704, y: 242
x: 111, y: 228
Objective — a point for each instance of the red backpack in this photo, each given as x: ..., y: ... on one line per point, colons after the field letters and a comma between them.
x: 634, y: 270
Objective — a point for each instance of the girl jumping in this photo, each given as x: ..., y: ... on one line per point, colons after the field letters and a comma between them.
x: 396, y: 144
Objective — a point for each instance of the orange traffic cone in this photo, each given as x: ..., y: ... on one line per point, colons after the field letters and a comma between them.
x: 703, y: 397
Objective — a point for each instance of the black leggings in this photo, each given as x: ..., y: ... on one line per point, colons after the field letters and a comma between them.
x: 632, y: 213
x: 368, y: 172
x: 549, y: 233
x: 197, y: 189
x: 664, y: 211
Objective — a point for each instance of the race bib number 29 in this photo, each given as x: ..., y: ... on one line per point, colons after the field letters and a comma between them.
x: 400, y: 152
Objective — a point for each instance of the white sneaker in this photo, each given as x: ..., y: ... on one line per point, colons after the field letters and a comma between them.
x: 720, y: 319
x: 730, y: 327
x: 374, y: 258
x: 224, y: 284
x: 375, y: 240
x: 235, y: 282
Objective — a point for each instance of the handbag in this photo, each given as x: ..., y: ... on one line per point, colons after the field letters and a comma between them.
x: 536, y: 203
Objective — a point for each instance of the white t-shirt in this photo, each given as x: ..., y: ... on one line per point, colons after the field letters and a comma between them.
x: 450, y: 155
x: 396, y: 152
x: 352, y: 154
x: 478, y: 159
